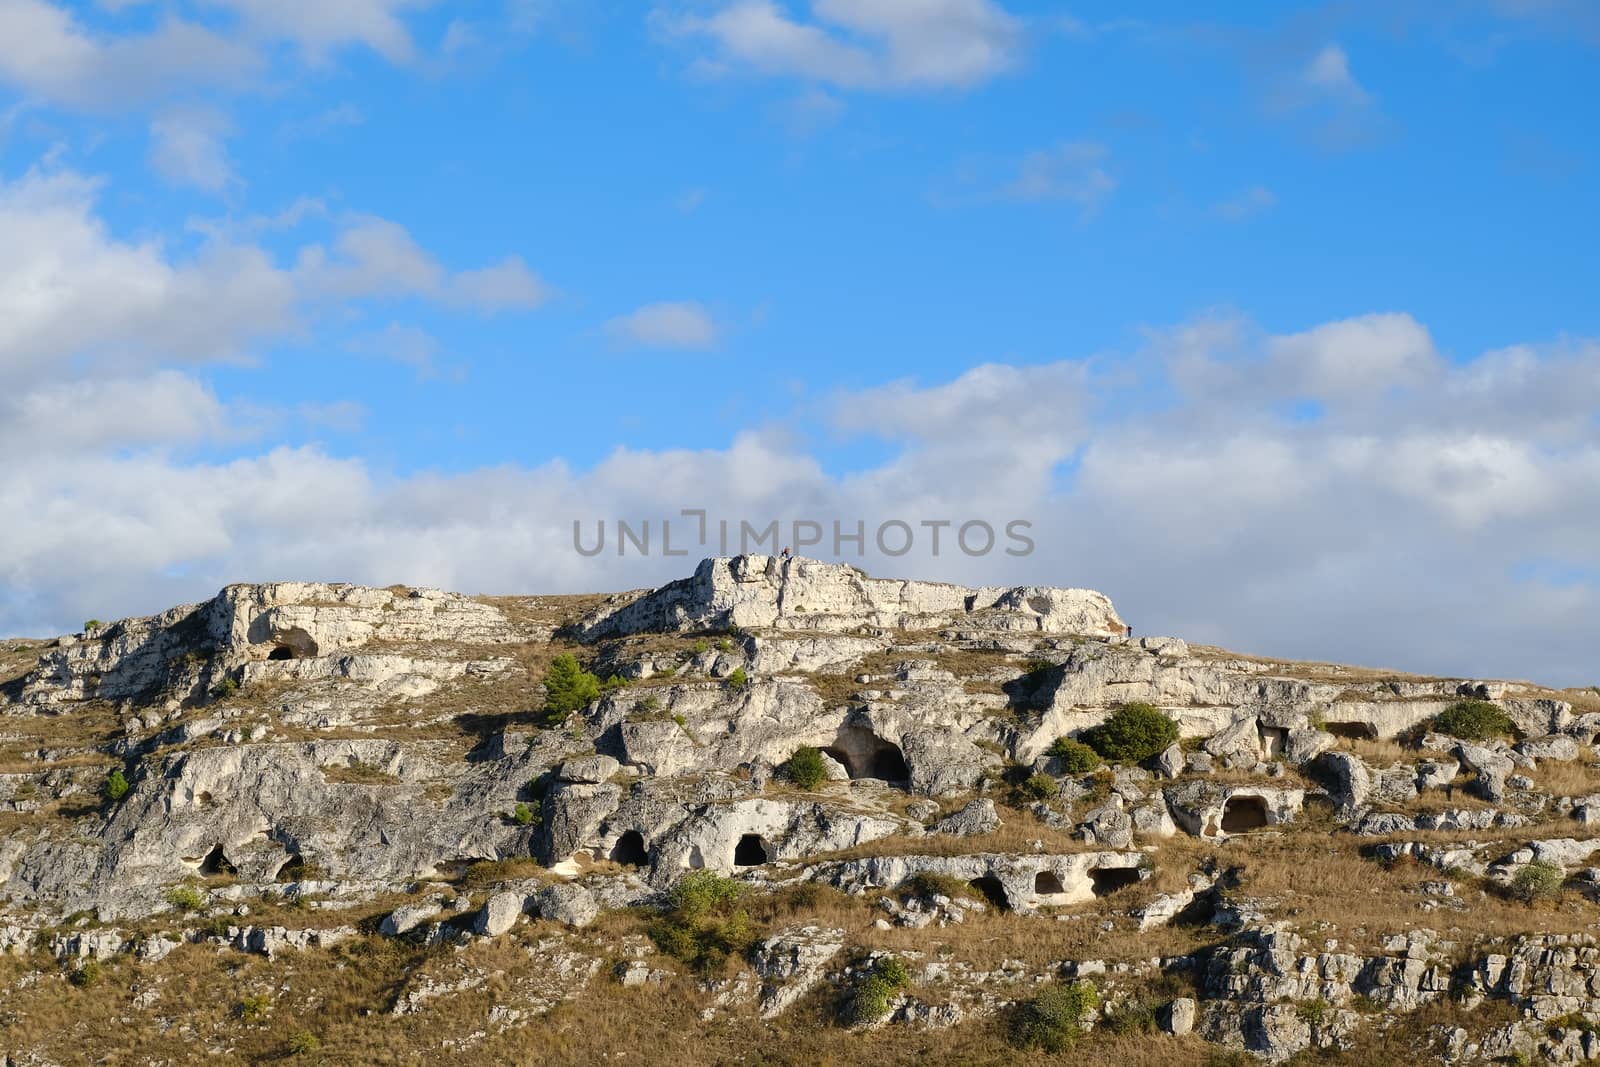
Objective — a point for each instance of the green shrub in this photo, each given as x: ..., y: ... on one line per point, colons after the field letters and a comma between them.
x: 1137, y: 1015
x: 254, y: 1009
x: 1133, y: 734
x: 927, y: 885
x: 85, y: 974
x: 567, y: 686
x: 724, y: 645
x: 701, y: 893
x: 700, y: 646
x: 1075, y: 756
x: 116, y: 786
x: 1537, y: 881
x: 1055, y: 1019
x: 92, y: 625
x: 871, y: 999
x: 1312, y: 1012
x: 1473, y: 720
x: 616, y: 681
x: 522, y: 815
x: 303, y: 1041
x: 185, y: 898
x: 738, y: 679
x: 700, y: 925
x: 1040, y: 787
x: 225, y: 688
x: 650, y: 703
x: 1036, y: 666
x: 805, y: 768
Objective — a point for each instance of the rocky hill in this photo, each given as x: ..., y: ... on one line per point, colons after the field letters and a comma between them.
x: 776, y: 812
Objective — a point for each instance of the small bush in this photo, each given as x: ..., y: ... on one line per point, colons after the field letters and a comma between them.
x: 224, y: 689
x: 1055, y: 1019
x: 650, y: 703
x: 1134, y: 1016
x: 700, y: 646
x: 1134, y: 733
x: 116, y: 786
x: 1036, y: 666
x: 1312, y: 1012
x: 1040, y: 787
x: 185, y: 898
x: 805, y: 768
x: 700, y: 925
x: 724, y: 645
x: 738, y: 679
x: 254, y: 1009
x: 91, y: 625
x: 927, y: 885
x: 701, y: 893
x: 522, y: 815
x: 568, y: 687
x: 85, y: 974
x: 1075, y: 756
x: 1473, y: 720
x: 1537, y: 881
x: 302, y: 1042
x: 871, y: 999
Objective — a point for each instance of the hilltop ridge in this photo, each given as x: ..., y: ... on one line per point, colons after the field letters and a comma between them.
x: 310, y: 770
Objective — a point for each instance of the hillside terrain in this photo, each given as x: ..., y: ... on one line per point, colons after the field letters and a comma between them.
x: 777, y: 812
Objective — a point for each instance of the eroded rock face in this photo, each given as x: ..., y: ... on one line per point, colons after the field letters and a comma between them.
x: 384, y: 742
x: 800, y: 594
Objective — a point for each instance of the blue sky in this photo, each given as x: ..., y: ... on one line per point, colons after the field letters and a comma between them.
x: 1276, y: 319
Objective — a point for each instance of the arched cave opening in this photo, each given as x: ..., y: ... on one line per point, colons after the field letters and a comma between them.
x: 751, y: 851
x: 991, y: 889
x: 1048, y: 883
x: 293, y: 643
x: 630, y: 850
x: 1240, y: 814
x: 866, y: 755
x: 1107, y: 880
x: 217, y: 863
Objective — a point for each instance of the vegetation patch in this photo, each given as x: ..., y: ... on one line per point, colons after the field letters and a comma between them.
x: 1134, y: 733
x: 1474, y: 720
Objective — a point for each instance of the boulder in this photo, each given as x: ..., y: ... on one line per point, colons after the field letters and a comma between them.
x: 566, y: 903
x: 978, y: 817
x: 500, y: 914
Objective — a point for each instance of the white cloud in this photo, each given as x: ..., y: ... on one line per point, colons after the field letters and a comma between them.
x: 320, y: 27
x: 47, y: 53
x: 187, y: 149
x: 72, y: 293
x: 1329, y: 72
x: 1073, y: 171
x: 507, y: 284
x: 1396, y: 530
x: 668, y: 324
x: 871, y: 44
x: 1253, y: 201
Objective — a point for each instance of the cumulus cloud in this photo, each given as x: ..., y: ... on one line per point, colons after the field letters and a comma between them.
x: 46, y: 52
x: 668, y: 324
x: 187, y: 148
x: 72, y: 293
x: 859, y: 44
x: 319, y: 27
x: 1410, y: 524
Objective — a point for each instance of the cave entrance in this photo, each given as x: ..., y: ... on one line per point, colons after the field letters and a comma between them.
x: 293, y: 869
x: 751, y: 851
x: 217, y: 863
x: 1107, y: 880
x: 630, y: 850
x: 1240, y: 814
x: 1352, y: 731
x: 293, y: 643
x: 992, y: 891
x: 1048, y: 883
x: 866, y: 755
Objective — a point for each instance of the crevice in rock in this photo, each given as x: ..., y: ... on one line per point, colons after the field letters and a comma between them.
x: 630, y: 850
